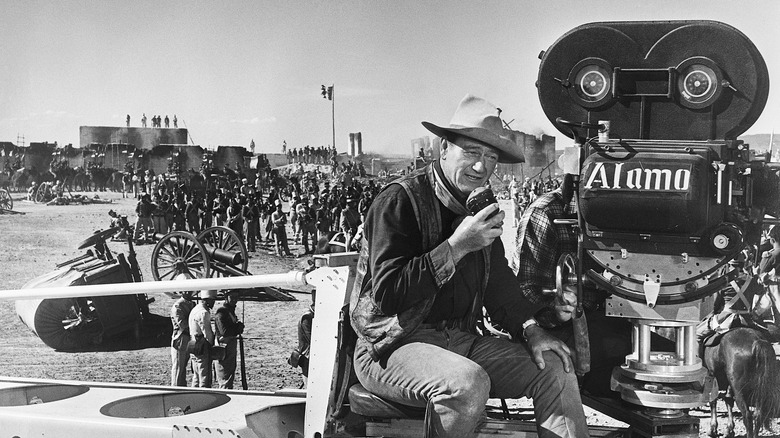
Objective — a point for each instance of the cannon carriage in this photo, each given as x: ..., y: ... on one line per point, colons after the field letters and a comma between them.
x: 215, y: 252
x: 72, y: 324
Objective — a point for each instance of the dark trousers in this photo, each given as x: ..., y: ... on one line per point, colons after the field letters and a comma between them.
x: 226, y: 368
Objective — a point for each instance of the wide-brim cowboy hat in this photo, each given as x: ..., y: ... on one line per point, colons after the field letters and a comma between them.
x: 478, y: 119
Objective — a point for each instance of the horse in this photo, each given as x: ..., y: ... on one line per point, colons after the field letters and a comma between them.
x: 67, y: 175
x: 62, y: 171
x: 80, y: 179
x: 115, y: 181
x: 744, y: 363
x: 99, y: 177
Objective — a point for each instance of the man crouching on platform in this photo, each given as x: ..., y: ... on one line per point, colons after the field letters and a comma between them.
x: 427, y: 268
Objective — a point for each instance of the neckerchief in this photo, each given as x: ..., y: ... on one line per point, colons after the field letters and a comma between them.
x: 444, y: 192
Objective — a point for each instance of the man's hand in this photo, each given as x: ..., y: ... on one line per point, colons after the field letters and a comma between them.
x: 476, y: 232
x: 566, y: 304
x: 540, y: 341
x: 767, y: 278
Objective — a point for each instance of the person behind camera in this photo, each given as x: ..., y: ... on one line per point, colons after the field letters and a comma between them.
x: 539, y: 244
x: 420, y: 290
x: 202, y: 339
x: 228, y: 329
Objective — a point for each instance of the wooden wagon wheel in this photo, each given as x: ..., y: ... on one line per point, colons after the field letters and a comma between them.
x: 40, y: 194
x: 6, y: 201
x: 223, y: 238
x: 179, y: 252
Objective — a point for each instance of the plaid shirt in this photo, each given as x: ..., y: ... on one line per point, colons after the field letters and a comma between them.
x: 539, y: 244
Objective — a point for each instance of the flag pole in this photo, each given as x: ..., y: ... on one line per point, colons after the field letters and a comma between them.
x: 333, y: 111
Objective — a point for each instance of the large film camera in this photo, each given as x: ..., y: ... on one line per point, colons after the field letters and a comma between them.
x: 667, y: 195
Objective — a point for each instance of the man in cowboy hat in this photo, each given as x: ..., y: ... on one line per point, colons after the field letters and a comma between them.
x: 420, y: 290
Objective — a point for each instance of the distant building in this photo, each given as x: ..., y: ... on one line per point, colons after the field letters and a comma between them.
x: 158, y: 149
x: 355, y: 144
x: 540, y: 157
x: 141, y: 138
x: 233, y: 156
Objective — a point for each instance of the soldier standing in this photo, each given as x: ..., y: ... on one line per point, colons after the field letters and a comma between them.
x: 180, y: 313
x: 144, y: 210
x: 251, y: 215
x: 200, y: 327
x: 229, y: 328
x: 279, y: 220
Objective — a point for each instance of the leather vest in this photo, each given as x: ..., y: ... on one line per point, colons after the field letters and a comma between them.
x: 382, y: 331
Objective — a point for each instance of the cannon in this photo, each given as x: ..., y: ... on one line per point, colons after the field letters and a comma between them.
x: 72, y: 324
x: 215, y: 252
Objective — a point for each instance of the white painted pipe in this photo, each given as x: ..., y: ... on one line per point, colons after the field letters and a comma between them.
x: 290, y: 279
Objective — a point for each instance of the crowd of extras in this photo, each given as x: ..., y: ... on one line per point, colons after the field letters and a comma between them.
x: 313, y: 207
x: 524, y: 193
x: 310, y: 154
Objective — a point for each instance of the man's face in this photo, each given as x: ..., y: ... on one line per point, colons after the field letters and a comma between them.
x: 468, y: 164
x: 231, y: 299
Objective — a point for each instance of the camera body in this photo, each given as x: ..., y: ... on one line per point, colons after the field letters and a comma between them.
x: 667, y: 194
x: 671, y: 195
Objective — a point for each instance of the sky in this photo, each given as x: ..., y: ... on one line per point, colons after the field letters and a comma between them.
x: 237, y: 71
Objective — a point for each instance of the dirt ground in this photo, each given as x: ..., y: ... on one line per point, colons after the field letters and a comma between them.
x: 31, y: 244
